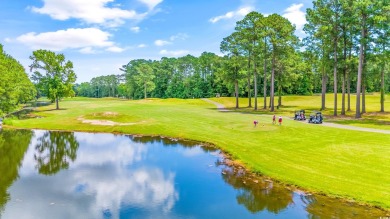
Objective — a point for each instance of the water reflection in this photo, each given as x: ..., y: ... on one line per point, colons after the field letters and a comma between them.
x: 256, y: 193
x: 260, y: 194
x: 54, y: 151
x: 83, y: 175
x: 13, y: 146
x: 97, y: 180
x: 172, y: 142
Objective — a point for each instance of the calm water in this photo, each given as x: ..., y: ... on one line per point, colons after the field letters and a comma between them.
x: 81, y: 175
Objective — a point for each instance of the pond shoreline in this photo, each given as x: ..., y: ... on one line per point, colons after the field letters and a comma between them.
x: 228, y: 160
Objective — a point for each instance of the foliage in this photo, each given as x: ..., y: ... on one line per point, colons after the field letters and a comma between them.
x: 15, y: 86
x: 53, y: 74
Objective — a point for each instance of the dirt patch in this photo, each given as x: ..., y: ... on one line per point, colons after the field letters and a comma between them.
x: 110, y: 114
x: 104, y: 122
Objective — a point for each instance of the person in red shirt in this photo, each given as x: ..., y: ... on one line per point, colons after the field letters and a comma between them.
x: 274, y: 119
x: 280, y: 120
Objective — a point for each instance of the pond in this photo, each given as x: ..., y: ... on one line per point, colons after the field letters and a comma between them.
x: 83, y: 175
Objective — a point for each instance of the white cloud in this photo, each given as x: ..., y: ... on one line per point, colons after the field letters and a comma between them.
x: 296, y: 16
x: 68, y: 39
x: 89, y: 11
x: 142, y: 45
x: 175, y: 53
x: 87, y: 50
x: 115, y: 49
x: 135, y: 29
x: 161, y: 42
x: 151, y: 3
x: 241, y: 12
x: 180, y: 36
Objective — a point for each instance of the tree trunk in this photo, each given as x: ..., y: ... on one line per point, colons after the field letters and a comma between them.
x: 255, y: 83
x: 265, y: 74
x: 383, y: 88
x: 249, y: 93
x: 343, y: 92
x: 363, y: 93
x: 364, y: 73
x: 349, y: 92
x: 323, y: 93
x: 57, y: 105
x: 344, y: 74
x: 360, y: 69
x: 145, y: 90
x: 335, y: 78
x: 279, y: 93
x: 364, y: 79
x: 236, y: 92
x: 249, y: 84
x: 349, y: 80
x: 272, y: 92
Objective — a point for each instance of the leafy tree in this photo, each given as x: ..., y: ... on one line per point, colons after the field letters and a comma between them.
x: 145, y: 77
x: 233, y: 71
x: 250, y: 29
x: 282, y: 39
x: 15, y: 86
x: 53, y: 73
x: 382, y: 30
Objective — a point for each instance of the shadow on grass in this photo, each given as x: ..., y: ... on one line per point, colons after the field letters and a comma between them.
x: 48, y: 110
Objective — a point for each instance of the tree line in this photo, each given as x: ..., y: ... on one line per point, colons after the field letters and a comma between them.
x: 346, y: 50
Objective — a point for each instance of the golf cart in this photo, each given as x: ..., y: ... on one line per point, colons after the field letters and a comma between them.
x: 316, y: 117
x: 300, y: 115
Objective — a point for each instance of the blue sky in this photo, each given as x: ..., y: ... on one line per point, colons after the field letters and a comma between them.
x: 99, y: 36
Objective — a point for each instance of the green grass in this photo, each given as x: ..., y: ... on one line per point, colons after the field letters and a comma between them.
x: 372, y: 119
x: 337, y: 162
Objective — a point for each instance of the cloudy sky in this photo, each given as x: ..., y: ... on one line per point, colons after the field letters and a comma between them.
x: 99, y: 36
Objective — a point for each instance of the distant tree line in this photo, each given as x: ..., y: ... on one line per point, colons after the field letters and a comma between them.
x: 346, y: 50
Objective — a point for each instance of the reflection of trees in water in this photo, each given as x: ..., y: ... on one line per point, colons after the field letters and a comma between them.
x: 169, y: 142
x: 325, y: 207
x: 13, y: 146
x: 54, y: 151
x: 256, y: 193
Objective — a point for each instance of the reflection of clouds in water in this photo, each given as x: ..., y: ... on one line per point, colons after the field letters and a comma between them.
x: 29, y: 163
x: 123, y: 152
x: 192, y: 152
x: 101, y: 180
x: 96, y: 139
x: 146, y: 189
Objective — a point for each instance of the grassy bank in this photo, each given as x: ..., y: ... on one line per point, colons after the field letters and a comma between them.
x: 337, y: 162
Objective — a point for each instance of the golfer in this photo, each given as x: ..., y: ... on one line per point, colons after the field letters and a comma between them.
x: 280, y: 120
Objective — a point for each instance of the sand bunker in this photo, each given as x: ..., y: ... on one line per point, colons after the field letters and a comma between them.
x: 103, y: 122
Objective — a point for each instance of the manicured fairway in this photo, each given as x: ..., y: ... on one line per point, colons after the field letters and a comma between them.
x: 372, y: 119
x: 337, y: 162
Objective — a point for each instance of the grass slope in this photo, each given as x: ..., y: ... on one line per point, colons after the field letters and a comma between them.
x: 333, y: 161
